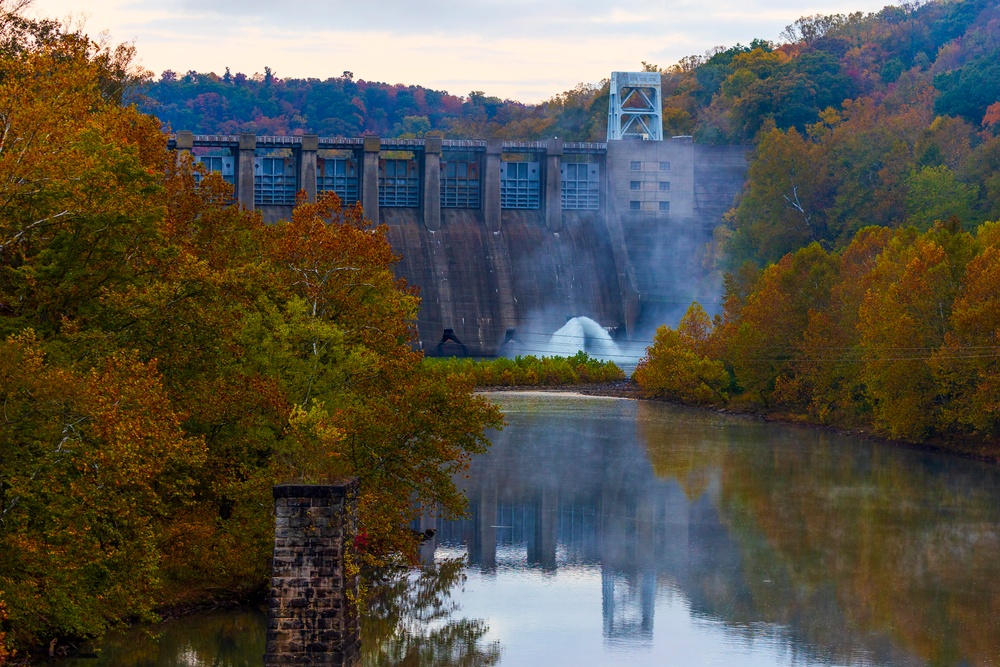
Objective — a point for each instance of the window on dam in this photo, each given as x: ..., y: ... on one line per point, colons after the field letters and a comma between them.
x: 274, y: 180
x: 221, y: 164
x: 519, y: 185
x: 459, y: 182
x: 338, y: 175
x: 581, y: 186
x: 399, y: 183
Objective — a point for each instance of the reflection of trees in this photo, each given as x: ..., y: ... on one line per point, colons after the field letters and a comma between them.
x: 844, y: 540
x: 409, y: 623
x: 231, y: 638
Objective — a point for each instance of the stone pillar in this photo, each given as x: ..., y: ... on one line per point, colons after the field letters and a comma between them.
x: 553, y: 184
x: 432, y: 183
x: 184, y: 143
x: 369, y: 178
x: 307, y: 166
x: 491, y: 184
x: 244, y: 170
x: 312, y: 618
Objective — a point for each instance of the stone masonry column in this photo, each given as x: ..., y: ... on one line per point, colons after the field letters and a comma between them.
x: 244, y: 170
x: 432, y: 183
x: 369, y: 178
x: 184, y: 143
x: 307, y: 166
x: 553, y: 184
x: 312, y: 619
x: 491, y: 185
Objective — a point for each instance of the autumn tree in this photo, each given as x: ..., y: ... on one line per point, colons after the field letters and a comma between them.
x: 677, y: 365
x: 903, y: 320
x: 168, y: 358
x: 784, y: 206
x: 966, y: 366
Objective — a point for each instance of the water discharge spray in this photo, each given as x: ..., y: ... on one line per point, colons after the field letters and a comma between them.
x: 582, y: 334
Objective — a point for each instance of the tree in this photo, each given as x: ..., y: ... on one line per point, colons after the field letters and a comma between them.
x: 768, y: 337
x: 934, y: 194
x: 903, y: 320
x: 676, y: 365
x: 784, y: 205
x: 94, y: 470
x: 966, y: 366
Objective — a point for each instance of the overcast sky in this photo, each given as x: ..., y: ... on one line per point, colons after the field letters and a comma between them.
x: 521, y: 49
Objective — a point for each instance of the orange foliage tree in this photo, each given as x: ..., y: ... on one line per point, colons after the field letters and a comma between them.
x: 897, y: 334
x: 167, y: 358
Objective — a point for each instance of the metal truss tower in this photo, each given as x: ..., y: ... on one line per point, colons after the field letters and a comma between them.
x: 634, y: 109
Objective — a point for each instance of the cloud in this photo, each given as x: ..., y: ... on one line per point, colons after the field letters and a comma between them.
x: 520, y: 49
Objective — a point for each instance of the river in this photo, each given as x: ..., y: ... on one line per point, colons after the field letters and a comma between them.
x: 615, y: 532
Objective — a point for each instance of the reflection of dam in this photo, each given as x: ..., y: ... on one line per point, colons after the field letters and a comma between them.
x: 569, y: 491
x: 604, y: 509
x: 635, y: 536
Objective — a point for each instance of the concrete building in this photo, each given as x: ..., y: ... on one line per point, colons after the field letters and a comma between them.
x: 505, y: 236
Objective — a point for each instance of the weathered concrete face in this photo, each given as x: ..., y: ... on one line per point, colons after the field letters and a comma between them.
x: 669, y: 196
x: 615, y: 232
x: 312, y: 619
x: 479, y: 283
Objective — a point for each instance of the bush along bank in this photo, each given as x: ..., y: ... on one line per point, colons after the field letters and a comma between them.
x: 529, y: 371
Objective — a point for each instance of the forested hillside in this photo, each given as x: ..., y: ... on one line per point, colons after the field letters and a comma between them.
x: 726, y: 96
x: 896, y: 334
x: 888, y: 118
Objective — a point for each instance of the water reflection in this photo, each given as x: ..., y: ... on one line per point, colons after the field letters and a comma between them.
x: 225, y: 638
x: 608, y: 532
x: 759, y: 543
x: 411, y: 621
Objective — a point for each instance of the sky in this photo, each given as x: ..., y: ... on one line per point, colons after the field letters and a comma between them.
x: 519, y: 49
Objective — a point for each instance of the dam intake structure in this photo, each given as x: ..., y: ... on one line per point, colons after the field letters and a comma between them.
x: 510, y: 238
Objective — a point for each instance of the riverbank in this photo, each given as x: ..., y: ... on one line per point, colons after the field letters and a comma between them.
x: 987, y: 452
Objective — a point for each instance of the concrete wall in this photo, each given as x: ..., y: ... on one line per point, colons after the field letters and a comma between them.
x: 480, y: 283
x: 635, y: 262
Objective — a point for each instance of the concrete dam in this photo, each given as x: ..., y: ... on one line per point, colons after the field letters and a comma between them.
x: 508, y: 240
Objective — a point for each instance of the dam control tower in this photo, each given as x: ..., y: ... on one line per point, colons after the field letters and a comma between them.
x: 634, y: 109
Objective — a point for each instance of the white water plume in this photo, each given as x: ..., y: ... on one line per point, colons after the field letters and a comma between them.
x: 582, y: 334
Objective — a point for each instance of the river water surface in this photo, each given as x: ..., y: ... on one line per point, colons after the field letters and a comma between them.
x: 615, y: 532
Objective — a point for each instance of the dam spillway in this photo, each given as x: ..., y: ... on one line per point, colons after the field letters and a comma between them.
x: 505, y: 236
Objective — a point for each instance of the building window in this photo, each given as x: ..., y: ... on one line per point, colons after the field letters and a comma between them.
x: 664, y: 206
x: 581, y: 184
x: 635, y: 165
x: 635, y: 206
x: 635, y: 185
x: 520, y: 185
x: 338, y: 175
x: 274, y: 181
x: 664, y: 185
x: 664, y: 166
x: 459, y: 181
x: 398, y: 183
